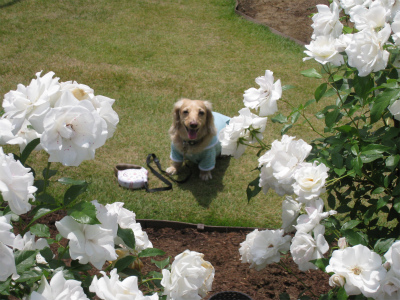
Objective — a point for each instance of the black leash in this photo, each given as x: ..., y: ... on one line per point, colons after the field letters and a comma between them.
x: 152, y: 157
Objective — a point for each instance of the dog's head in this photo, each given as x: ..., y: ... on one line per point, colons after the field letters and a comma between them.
x: 193, y: 119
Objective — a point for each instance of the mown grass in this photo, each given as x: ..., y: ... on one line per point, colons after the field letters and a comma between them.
x: 146, y: 54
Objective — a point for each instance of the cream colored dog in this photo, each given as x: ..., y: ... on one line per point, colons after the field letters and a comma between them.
x: 194, y: 136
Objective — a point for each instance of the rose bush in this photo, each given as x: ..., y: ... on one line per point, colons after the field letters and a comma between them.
x: 342, y: 188
x: 69, y: 122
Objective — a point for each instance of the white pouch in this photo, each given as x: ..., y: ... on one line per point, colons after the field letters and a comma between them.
x: 132, y: 178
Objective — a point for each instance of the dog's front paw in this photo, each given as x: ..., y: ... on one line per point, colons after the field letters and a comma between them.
x: 205, y: 175
x: 171, y: 170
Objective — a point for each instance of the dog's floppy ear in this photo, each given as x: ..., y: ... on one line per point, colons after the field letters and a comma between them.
x: 210, y: 119
x: 176, y: 117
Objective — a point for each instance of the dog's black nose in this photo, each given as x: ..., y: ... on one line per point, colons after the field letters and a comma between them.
x: 193, y: 125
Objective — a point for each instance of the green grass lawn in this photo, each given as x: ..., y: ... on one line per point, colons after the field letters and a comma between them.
x: 147, y: 54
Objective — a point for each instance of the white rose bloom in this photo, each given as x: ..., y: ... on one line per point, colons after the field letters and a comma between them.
x: 349, y: 4
x: 245, y: 247
x: 315, y: 213
x: 6, y: 133
x: 326, y: 21
x: 290, y: 211
x: 59, y: 289
x: 392, y: 256
x: 29, y: 242
x: 24, y: 136
x: 396, y: 29
x: 365, y: 51
x: 305, y: 248
x: 238, y: 129
x: 31, y: 102
x: 264, y: 247
x: 110, y: 288
x: 395, y: 109
x: 361, y: 267
x: 16, y: 184
x: 324, y: 50
x: 373, y: 17
x: 266, y: 96
x: 7, y: 237
x: 102, y: 104
x: 7, y: 263
x: 190, y: 277
x: 389, y: 287
x: 343, y: 41
x: 280, y: 162
x: 336, y: 280
x: 310, y: 181
x: 126, y: 219
x: 73, y: 131
x: 88, y: 243
x: 342, y: 243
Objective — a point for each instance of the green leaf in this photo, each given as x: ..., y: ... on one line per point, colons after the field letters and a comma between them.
x: 73, y: 192
x: 350, y: 224
x: 46, y: 198
x: 5, y: 287
x: 392, y: 161
x: 25, y: 260
x: 128, y: 236
x: 382, y: 102
x: 362, y: 85
x: 312, y: 73
x: 382, y: 245
x: 279, y: 119
x: 124, y: 262
x: 253, y: 188
x: 151, y: 252
x: 40, y: 230
x: 378, y: 190
x: 321, y: 263
x: 84, y: 213
x: 47, y: 254
x: 288, y: 87
x: 341, y: 294
x: 28, y: 150
x: 30, y: 275
x: 161, y: 264
x: 396, y: 204
x: 320, y: 91
x: 41, y: 212
x: 355, y: 237
x: 383, y: 201
x: 331, y: 117
x: 340, y: 172
x: 286, y: 128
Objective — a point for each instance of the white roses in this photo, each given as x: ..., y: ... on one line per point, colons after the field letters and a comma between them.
x: 264, y: 247
x: 69, y: 119
x: 190, y: 277
x: 16, y: 184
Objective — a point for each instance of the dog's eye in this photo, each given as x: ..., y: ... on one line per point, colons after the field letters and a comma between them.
x: 201, y: 113
x: 185, y: 112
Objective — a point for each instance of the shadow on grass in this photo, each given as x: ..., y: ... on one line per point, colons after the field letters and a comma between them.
x: 8, y: 3
x: 205, y: 191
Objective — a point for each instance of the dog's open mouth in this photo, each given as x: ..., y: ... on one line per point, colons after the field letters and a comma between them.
x: 192, y: 133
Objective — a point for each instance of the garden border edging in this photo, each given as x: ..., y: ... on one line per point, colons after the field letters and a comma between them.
x: 157, y: 224
x: 270, y: 28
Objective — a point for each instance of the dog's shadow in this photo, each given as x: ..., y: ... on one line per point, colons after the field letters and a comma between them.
x: 206, y: 191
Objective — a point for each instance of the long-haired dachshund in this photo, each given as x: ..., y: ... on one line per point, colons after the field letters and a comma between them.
x: 194, y: 135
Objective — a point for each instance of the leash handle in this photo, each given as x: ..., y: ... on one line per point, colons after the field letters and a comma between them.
x: 152, y: 157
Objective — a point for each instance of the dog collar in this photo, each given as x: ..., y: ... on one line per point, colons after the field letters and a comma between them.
x: 190, y: 143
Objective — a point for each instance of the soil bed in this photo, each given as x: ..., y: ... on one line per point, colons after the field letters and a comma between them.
x: 222, y: 251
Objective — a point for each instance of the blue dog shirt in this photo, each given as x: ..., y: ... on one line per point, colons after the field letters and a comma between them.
x: 206, y: 158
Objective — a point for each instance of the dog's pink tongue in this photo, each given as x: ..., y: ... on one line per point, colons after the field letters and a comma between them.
x: 192, y: 134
